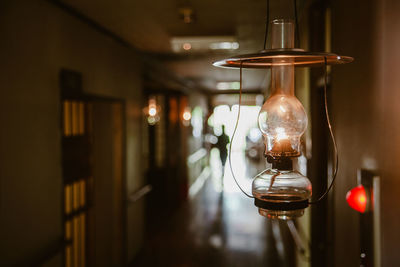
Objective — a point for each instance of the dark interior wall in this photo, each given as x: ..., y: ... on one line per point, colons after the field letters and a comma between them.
x: 38, y: 39
x: 366, y: 118
x: 388, y: 129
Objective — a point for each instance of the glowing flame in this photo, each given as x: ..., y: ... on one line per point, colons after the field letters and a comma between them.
x: 281, y: 134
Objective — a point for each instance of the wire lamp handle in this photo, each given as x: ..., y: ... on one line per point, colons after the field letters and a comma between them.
x: 233, y: 135
x: 335, y: 149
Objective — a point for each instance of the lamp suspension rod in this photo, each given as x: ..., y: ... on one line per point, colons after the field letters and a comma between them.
x: 266, y: 27
x: 234, y: 132
x: 297, y: 30
x: 335, y: 149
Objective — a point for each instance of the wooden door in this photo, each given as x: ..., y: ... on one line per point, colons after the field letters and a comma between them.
x: 107, y: 215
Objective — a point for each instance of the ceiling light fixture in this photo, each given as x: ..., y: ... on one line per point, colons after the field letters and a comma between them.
x: 187, y: 46
x: 224, y: 46
x: 228, y: 85
x: 202, y: 44
x: 282, y: 192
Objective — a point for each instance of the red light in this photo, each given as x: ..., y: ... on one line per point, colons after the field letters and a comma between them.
x: 357, y: 198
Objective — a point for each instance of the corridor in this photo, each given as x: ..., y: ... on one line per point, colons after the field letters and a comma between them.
x: 117, y: 118
x: 217, y: 228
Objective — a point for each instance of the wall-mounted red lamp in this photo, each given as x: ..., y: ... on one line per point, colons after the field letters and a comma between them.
x: 357, y: 199
x: 361, y: 197
x: 364, y: 198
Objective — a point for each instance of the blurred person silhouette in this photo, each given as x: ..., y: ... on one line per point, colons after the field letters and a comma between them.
x: 223, y: 141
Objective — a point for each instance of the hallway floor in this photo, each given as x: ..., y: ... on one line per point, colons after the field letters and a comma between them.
x: 216, y: 228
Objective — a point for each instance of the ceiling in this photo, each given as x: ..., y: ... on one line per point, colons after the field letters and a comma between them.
x: 149, y: 26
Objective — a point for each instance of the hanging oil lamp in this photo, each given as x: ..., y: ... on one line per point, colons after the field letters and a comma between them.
x: 280, y: 191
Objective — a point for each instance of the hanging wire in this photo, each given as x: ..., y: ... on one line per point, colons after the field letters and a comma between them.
x: 297, y: 24
x: 266, y: 27
x: 234, y: 132
x: 335, y: 150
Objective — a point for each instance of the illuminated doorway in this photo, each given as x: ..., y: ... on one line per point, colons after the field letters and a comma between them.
x: 247, y: 146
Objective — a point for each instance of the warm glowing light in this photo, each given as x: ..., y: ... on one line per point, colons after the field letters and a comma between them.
x: 152, y: 111
x: 281, y: 134
x: 357, y: 198
x: 187, y: 115
x: 152, y: 107
x: 187, y: 46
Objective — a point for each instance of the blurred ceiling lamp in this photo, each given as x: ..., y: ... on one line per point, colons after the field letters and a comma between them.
x: 152, y: 111
x: 187, y: 46
x: 228, y: 85
x: 203, y: 43
x: 224, y: 46
x: 282, y: 192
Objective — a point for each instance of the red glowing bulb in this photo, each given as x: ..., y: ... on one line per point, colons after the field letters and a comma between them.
x: 357, y: 198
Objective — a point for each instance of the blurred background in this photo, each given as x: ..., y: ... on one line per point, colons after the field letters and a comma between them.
x: 115, y: 128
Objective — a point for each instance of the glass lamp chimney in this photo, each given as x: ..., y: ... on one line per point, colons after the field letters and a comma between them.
x: 282, y: 118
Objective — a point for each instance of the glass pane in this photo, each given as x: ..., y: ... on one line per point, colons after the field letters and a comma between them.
x: 68, y: 256
x: 82, y: 238
x: 81, y: 118
x: 67, y: 118
x: 76, y: 195
x: 68, y: 230
x: 82, y: 191
x: 76, y: 241
x: 68, y: 199
x: 75, y: 122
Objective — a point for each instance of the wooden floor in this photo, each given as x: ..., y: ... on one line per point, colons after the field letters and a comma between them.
x: 216, y: 229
